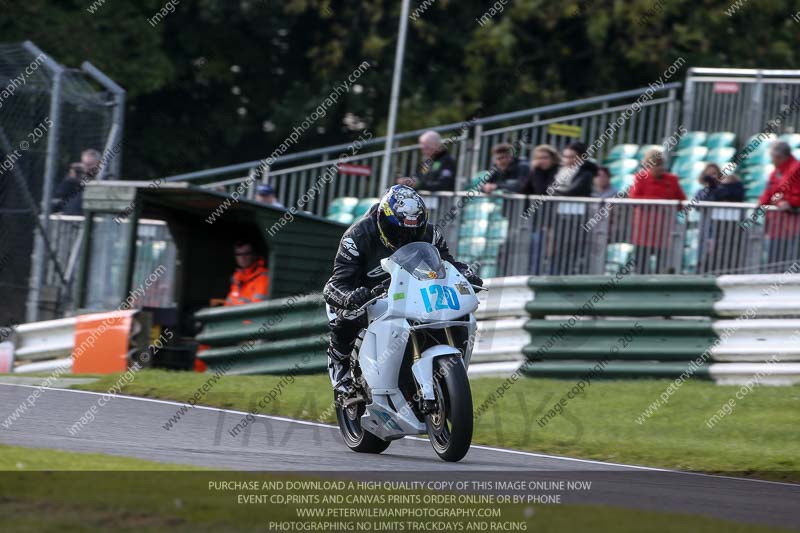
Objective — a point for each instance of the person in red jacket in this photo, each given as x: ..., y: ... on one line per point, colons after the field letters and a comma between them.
x: 782, y: 227
x: 653, y: 224
x: 250, y: 282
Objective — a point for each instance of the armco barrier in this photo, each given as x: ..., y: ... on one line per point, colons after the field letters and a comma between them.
x: 658, y: 340
x: 770, y: 295
x: 291, y: 334
x: 628, y: 296
x: 50, y: 339
x: 662, y: 326
x: 58, y: 345
x: 273, y: 337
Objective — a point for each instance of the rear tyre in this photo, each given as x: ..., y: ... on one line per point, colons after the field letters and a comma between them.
x: 450, y: 424
x: 354, y: 435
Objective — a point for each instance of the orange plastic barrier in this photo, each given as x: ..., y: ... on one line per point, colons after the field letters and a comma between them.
x: 102, y: 341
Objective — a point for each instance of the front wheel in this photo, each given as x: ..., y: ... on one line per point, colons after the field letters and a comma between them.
x: 355, y: 437
x: 450, y: 424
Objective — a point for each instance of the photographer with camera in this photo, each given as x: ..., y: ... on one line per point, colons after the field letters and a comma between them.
x: 69, y: 193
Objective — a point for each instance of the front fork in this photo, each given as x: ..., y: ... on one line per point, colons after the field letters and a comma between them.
x: 422, y: 368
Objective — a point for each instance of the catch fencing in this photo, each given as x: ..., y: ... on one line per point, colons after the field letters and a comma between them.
x: 741, y: 100
x: 469, y: 142
x: 49, y: 114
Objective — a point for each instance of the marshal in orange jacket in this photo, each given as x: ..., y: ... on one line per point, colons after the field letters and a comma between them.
x: 249, y: 284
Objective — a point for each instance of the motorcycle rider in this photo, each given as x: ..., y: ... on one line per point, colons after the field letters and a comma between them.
x: 400, y: 217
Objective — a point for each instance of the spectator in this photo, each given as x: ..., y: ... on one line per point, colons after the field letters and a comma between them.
x: 437, y: 171
x: 69, y: 193
x: 652, y: 224
x: 250, y: 281
x: 601, y: 186
x: 783, y: 191
x: 508, y: 173
x: 543, y: 170
x: 266, y: 195
x: 575, y: 176
x: 709, y: 178
x: 712, y: 246
x: 730, y: 189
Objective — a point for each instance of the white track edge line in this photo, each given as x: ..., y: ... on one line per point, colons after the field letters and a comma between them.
x: 478, y: 446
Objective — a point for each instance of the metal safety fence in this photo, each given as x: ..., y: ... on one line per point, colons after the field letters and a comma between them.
x: 155, y: 248
x: 742, y: 101
x: 650, y: 115
x: 511, y: 235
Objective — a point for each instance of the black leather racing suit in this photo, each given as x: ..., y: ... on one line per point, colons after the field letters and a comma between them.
x: 358, y: 264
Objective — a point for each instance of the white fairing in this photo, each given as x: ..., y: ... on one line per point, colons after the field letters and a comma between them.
x: 409, y: 303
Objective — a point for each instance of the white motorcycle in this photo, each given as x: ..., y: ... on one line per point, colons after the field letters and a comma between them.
x: 409, y: 366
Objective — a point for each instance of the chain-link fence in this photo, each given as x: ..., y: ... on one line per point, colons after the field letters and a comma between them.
x: 49, y: 114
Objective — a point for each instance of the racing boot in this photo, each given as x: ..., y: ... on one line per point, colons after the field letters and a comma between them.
x: 339, y: 371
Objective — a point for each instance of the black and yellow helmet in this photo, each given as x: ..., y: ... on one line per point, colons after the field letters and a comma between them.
x: 402, y: 217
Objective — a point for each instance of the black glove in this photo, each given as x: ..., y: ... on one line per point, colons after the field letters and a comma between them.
x: 474, y: 279
x: 357, y: 298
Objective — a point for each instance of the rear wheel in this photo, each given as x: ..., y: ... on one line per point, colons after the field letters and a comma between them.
x: 355, y: 437
x: 450, y: 423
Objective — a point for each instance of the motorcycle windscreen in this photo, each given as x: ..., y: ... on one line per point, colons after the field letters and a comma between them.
x: 421, y: 260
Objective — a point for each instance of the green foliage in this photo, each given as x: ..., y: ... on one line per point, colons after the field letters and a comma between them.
x: 220, y: 82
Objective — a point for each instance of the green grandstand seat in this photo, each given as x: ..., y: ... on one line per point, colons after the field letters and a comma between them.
x: 622, y: 182
x: 488, y: 270
x: 754, y: 191
x: 757, y: 174
x: 344, y: 218
x: 345, y: 204
x: 476, y: 181
x: 757, y: 158
x: 643, y: 149
x: 691, y: 252
x: 693, y: 138
x: 622, y: 151
x: 473, y: 228
x: 721, y: 156
x: 793, y: 139
x: 682, y: 166
x: 689, y: 170
x: 363, y: 206
x: 498, y: 229
x: 757, y: 145
x: 471, y: 247
x: 617, y: 255
x: 481, y: 208
x: 720, y: 139
x: 623, y: 166
x: 690, y: 188
x: 492, y: 249
x: 695, y: 153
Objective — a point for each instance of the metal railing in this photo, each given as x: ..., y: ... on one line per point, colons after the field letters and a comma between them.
x: 741, y: 100
x: 511, y: 235
x: 469, y: 142
x: 154, y: 247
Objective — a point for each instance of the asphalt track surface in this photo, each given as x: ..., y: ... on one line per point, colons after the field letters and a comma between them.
x: 133, y: 427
